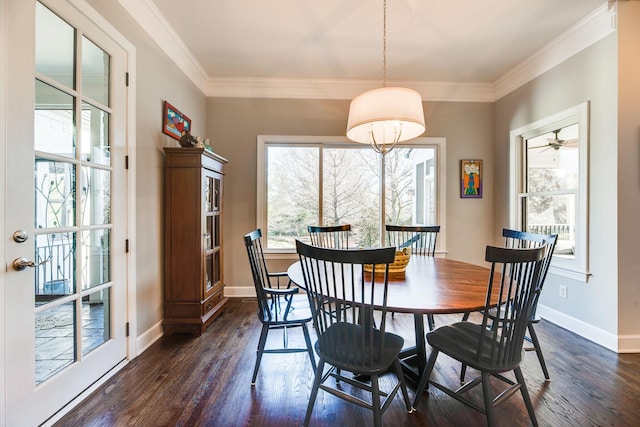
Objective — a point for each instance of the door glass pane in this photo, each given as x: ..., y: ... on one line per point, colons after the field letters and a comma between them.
x: 350, y: 190
x: 95, y: 196
x: 95, y: 320
x: 55, y: 340
x: 96, y: 266
x: 292, y: 194
x: 411, y: 186
x: 56, y: 259
x: 95, y: 72
x: 54, y: 121
x: 94, y: 140
x: 54, y: 47
x: 54, y: 194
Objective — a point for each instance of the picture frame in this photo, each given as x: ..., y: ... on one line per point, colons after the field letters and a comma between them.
x: 174, y: 122
x: 471, y: 179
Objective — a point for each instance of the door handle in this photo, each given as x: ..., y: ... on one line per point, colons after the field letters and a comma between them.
x: 21, y: 263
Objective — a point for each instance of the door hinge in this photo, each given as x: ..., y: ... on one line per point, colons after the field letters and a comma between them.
x: 126, y: 246
x: 126, y: 79
x: 126, y: 162
x: 126, y: 329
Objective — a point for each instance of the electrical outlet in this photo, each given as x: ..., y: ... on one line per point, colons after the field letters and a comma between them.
x: 563, y: 291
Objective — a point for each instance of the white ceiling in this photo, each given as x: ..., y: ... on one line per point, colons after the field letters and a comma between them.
x: 427, y: 40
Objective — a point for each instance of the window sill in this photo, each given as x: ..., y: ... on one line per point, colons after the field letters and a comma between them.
x: 578, y: 276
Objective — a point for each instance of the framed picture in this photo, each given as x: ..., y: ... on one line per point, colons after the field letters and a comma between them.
x: 174, y: 122
x: 471, y: 178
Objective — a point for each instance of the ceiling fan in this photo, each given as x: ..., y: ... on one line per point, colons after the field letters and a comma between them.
x: 556, y: 143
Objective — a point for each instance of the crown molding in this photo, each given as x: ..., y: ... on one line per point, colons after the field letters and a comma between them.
x: 149, y: 17
x: 342, y: 89
x: 593, y: 28
x: 588, y: 31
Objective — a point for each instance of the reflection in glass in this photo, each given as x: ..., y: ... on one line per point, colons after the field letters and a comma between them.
x: 94, y: 140
x: 55, y: 273
x: 96, y: 268
x: 55, y: 340
x: 54, y: 121
x: 95, y: 72
x: 552, y: 186
x: 554, y: 214
x: 95, y: 320
x: 410, y: 186
x: 54, y: 194
x: 54, y: 47
x: 95, y: 196
x: 292, y: 194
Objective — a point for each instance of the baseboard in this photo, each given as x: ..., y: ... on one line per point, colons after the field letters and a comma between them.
x: 629, y: 344
x: 239, y: 291
x: 585, y: 330
x: 148, y: 337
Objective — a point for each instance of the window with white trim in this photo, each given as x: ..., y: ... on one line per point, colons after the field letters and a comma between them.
x: 306, y: 180
x: 550, y: 187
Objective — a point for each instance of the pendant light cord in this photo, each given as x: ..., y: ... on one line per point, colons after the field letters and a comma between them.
x: 384, y: 44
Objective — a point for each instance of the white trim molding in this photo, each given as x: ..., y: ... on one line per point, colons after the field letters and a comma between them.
x: 588, y: 31
x: 585, y: 330
x: 149, y: 17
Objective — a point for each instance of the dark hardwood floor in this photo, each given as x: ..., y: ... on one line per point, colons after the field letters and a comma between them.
x: 206, y: 381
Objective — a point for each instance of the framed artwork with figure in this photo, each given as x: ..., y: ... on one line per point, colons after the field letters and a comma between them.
x: 471, y: 179
x: 174, y: 122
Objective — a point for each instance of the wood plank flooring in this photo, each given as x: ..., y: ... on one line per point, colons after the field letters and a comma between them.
x: 206, y: 381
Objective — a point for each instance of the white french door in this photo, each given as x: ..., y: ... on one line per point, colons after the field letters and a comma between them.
x: 65, y: 207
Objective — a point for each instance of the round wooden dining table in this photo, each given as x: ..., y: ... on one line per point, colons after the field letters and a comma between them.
x: 430, y: 285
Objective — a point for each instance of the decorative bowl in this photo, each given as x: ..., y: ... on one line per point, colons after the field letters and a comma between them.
x: 397, y: 268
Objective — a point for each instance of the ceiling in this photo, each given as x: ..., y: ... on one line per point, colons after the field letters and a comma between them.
x: 427, y: 40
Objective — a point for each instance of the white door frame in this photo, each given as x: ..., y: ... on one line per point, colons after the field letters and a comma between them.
x: 85, y: 9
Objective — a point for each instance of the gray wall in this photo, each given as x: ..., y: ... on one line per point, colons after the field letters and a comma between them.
x: 158, y: 79
x: 233, y: 125
x: 591, y: 76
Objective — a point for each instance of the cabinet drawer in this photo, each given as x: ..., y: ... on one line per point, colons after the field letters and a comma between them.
x: 211, y: 302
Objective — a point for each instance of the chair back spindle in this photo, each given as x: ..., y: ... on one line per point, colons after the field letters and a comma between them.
x: 336, y: 236
x: 420, y: 239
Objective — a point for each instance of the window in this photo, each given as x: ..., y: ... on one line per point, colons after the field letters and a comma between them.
x: 330, y: 181
x: 549, y: 181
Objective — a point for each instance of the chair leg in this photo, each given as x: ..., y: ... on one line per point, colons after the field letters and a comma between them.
x: 314, y: 391
x: 536, y: 346
x: 488, y: 399
x: 375, y: 401
x: 525, y: 396
x: 285, y: 337
x: 463, y: 372
x: 431, y: 322
x: 259, y: 352
x: 424, y: 378
x: 307, y: 339
x: 403, y: 384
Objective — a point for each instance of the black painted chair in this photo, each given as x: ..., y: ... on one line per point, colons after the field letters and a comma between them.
x: 276, y: 306
x: 335, y: 236
x: 420, y: 239
x: 348, y: 339
x: 494, y: 346
x: 522, y: 239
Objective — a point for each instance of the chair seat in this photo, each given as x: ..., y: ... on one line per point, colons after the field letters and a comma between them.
x: 460, y: 341
x: 347, y: 353
x: 298, y: 313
